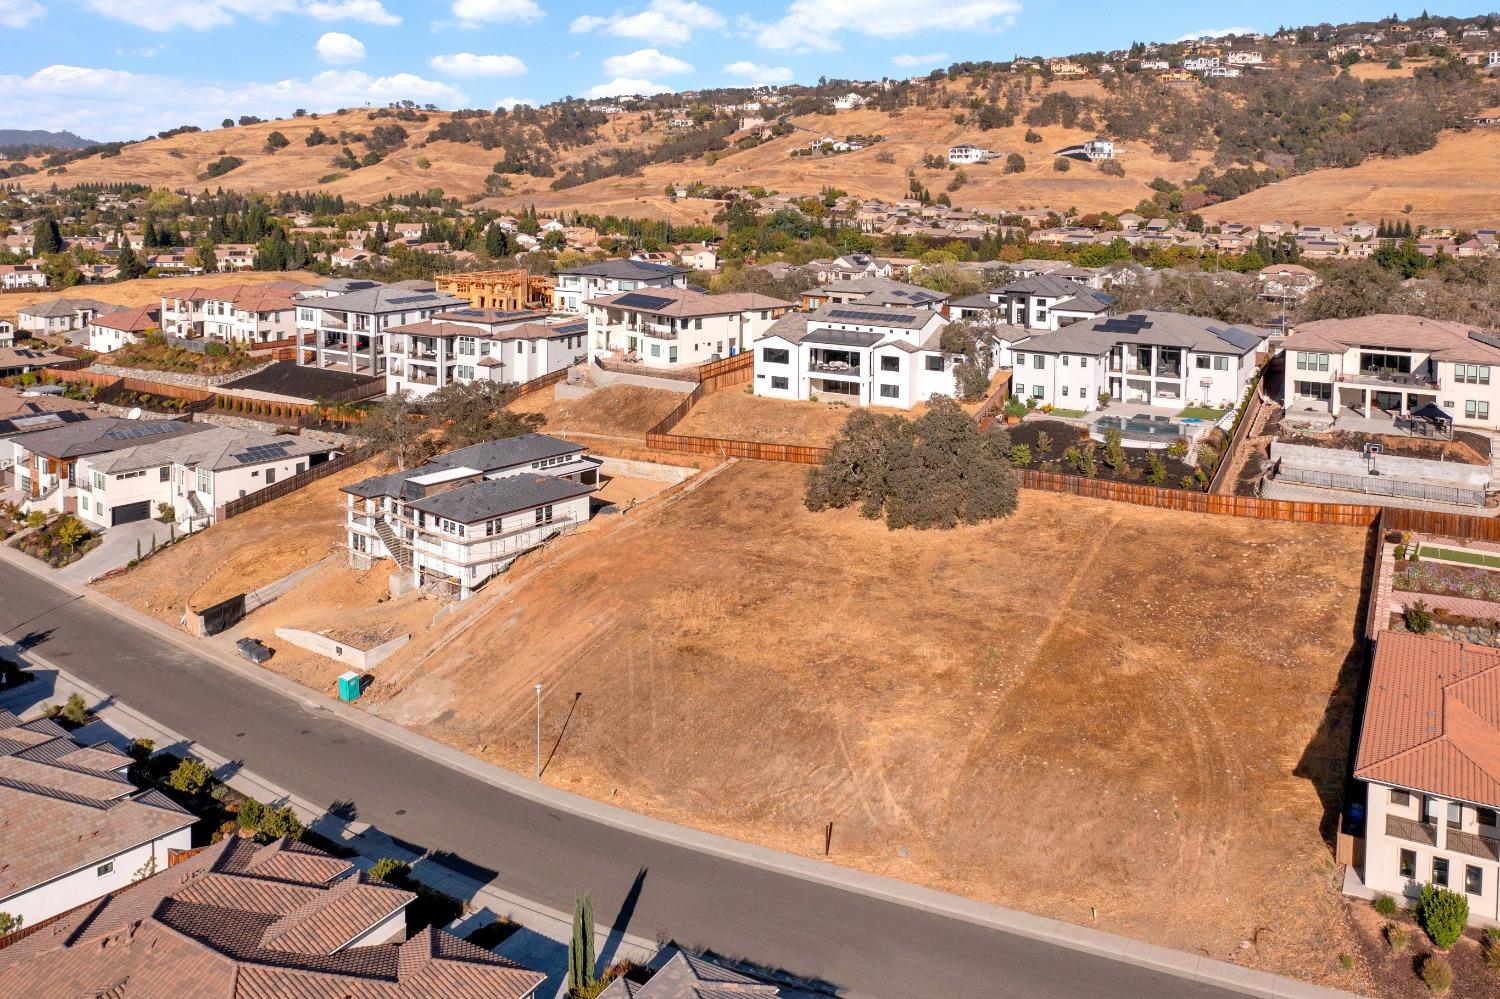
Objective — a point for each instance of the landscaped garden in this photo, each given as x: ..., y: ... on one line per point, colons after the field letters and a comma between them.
x: 1427, y: 949
x: 156, y: 353
x: 79, y: 391
x: 1065, y: 448
x: 1202, y: 413
x: 1457, y: 602
x: 58, y: 542
x: 150, y: 401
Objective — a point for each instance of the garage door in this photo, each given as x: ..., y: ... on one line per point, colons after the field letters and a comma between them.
x: 129, y: 513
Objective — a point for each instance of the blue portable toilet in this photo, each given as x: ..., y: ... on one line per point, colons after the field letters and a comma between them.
x: 349, y: 689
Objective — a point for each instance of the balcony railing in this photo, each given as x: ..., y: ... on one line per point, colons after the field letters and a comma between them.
x: 1410, y: 830
x: 835, y: 368
x: 1169, y: 372
x: 1475, y: 846
x: 1399, y: 379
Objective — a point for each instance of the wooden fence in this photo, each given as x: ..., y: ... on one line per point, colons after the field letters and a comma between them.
x: 541, y: 382
x: 736, y: 370
x: 236, y: 507
x: 1249, y: 413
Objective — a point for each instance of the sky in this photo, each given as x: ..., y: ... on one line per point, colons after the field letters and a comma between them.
x: 122, y: 69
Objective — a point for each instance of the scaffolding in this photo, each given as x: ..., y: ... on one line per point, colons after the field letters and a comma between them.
x: 508, y: 290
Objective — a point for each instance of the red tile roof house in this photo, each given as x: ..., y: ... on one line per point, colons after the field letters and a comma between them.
x: 1429, y: 756
x: 239, y: 920
x: 72, y: 825
x: 110, y: 333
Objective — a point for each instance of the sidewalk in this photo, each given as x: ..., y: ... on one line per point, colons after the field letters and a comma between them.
x: 542, y: 942
x: 554, y: 926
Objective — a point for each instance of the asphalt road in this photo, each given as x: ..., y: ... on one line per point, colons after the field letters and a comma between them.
x: 863, y: 946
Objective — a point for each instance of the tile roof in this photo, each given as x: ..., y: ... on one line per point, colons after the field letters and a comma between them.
x: 689, y: 977
x: 214, y: 926
x: 1445, y: 339
x: 135, y: 320
x: 1432, y: 718
x: 490, y: 498
x: 57, y: 308
x: 686, y: 303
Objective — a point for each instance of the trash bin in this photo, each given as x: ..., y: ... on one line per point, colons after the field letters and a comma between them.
x: 349, y: 689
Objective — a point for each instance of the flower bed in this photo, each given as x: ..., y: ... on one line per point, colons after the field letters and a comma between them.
x: 155, y: 353
x: 57, y: 543
x: 1054, y: 446
x: 1447, y: 580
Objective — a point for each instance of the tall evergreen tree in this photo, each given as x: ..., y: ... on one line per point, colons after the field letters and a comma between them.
x: 129, y: 264
x: 581, y: 946
x: 46, y: 236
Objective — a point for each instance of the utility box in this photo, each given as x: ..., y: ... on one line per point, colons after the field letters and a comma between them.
x: 349, y: 689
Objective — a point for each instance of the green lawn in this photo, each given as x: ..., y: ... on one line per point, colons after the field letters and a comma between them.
x: 1201, y: 413
x: 1466, y: 557
x: 1069, y: 414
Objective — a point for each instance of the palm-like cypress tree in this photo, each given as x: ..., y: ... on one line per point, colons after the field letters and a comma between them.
x: 581, y: 946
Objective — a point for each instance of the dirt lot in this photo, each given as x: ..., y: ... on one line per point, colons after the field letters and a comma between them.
x: 626, y: 411
x: 146, y: 291
x: 738, y: 415
x: 1078, y: 709
x: 243, y: 553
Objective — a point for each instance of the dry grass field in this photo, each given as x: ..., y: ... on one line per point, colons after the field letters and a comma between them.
x: 240, y: 554
x: 1456, y: 182
x: 1079, y: 710
x: 146, y: 291
x: 623, y: 411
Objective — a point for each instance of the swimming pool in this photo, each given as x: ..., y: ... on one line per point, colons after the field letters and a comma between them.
x: 1140, y: 426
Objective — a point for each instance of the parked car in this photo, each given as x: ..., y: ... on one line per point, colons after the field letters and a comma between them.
x: 253, y: 650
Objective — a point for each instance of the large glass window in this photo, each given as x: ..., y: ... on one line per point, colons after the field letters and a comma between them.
x: 1440, y: 871
x: 1473, y: 880
x: 776, y: 355
x: 1408, y: 863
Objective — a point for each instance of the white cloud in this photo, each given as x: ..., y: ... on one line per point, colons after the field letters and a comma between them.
x: 666, y: 22
x: 760, y: 74
x: 115, y: 104
x: 19, y: 13
x: 621, y: 86
x: 473, y: 13
x: 511, y: 103
x: 1216, y: 33
x: 814, y: 25
x: 907, y: 61
x: 369, y: 11
x: 469, y: 64
x: 645, y: 62
x: 198, y: 15
x: 337, y: 47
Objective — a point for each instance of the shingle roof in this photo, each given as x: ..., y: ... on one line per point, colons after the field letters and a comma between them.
x: 791, y: 327
x: 626, y: 270
x: 387, y: 298
x: 490, y: 498
x: 689, y: 977
x: 686, y: 303
x: 215, y: 448
x: 488, y: 456
x: 1167, y: 329
x: 1446, y: 340
x: 107, y: 434
x: 59, y: 307
x: 1432, y: 718
x: 213, y: 925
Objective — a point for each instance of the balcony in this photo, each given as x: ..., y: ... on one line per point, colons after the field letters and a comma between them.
x: 1475, y: 846
x: 1168, y: 372
x: 843, y: 368
x: 1384, y: 377
x: 1411, y: 830
x: 656, y: 331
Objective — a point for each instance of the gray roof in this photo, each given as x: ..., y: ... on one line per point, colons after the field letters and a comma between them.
x: 492, y: 498
x: 881, y: 291
x: 488, y: 456
x: 111, y: 434
x: 626, y: 270
x: 1086, y: 300
x: 215, y: 448
x: 982, y: 300
x: 843, y: 338
x: 388, y: 298
x: 791, y: 327
x: 57, y: 308
x: 895, y: 318
x: 1045, y: 285
x: 1163, y: 329
x: 688, y: 977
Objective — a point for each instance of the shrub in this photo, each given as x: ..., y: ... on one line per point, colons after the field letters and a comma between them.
x: 391, y: 871
x: 1443, y: 914
x: 1033, y: 136
x: 1492, y: 948
x: 1419, y: 622
x: 1397, y: 938
x: 1111, y: 168
x: 190, y: 777
x: 1104, y: 400
x: 1020, y: 454
x: 1156, y: 469
x: 140, y: 750
x: 250, y: 815
x: 279, y: 822
x: 1400, y: 553
x: 76, y: 710
x: 1385, y: 905
x: 1043, y: 443
x: 1437, y: 974
x: 1015, y: 163
x: 9, y: 923
x: 1178, y: 448
x: 1062, y: 164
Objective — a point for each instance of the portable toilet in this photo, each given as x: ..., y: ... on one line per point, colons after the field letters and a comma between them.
x: 349, y: 689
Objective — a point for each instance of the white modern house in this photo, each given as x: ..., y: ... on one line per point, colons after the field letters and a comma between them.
x: 1153, y: 358
x: 465, y: 345
x: 108, y: 333
x: 347, y: 331
x: 247, y: 314
x: 74, y: 826
x: 576, y: 285
x: 675, y: 327
x: 869, y: 357
x: 462, y: 518
x: 1394, y: 365
x: 1037, y: 303
x: 14, y: 277
x: 965, y: 153
x: 1429, y: 760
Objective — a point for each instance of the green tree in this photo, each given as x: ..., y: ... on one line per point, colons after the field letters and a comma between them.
x: 391, y: 871
x: 279, y: 822
x: 475, y: 411
x: 35, y: 519
x: 70, y: 532
x: 397, y: 428
x: 276, y: 141
x: 1015, y: 163
x: 46, y: 237
x: 1443, y: 914
x: 129, y: 264
x: 9, y: 923
x: 205, y: 257
x: 190, y: 777
x: 581, y: 947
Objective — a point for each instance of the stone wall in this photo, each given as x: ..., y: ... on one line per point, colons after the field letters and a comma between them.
x: 182, y: 378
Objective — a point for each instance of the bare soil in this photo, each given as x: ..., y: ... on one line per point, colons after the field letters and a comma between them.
x: 615, y: 411
x: 1080, y: 711
x: 1464, y: 448
x: 737, y: 415
x: 243, y: 553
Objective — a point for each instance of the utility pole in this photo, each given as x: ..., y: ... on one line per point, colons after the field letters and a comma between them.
x: 539, y: 731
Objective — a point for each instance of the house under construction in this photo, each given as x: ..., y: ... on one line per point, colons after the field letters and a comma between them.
x: 506, y: 290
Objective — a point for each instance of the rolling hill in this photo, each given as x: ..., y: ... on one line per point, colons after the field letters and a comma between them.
x: 12, y: 138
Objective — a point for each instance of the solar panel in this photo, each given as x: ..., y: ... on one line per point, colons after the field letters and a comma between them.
x: 1124, y: 324
x: 261, y: 452
x: 877, y: 318
x: 633, y: 300
x: 1488, y: 339
x: 408, y: 299
x: 145, y: 430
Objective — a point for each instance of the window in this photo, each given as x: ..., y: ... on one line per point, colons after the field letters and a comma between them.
x: 1408, y: 863
x: 105, y: 869
x: 672, y: 354
x: 1308, y: 361
x: 1065, y: 391
x: 1429, y: 810
x: 85, y: 501
x: 1474, y: 374
x: 1037, y: 391
x: 1020, y: 359
x: 656, y: 350
x: 166, y: 473
x: 1473, y: 880
x: 1221, y: 364
x: 1038, y: 361
x: 544, y: 514
x: 1455, y: 815
x: 270, y: 476
x: 776, y: 355
x: 206, y: 481
x: 1201, y: 361
x: 1400, y: 798
x: 780, y: 383
x: 890, y: 392
x: 935, y: 363
x: 1440, y: 871
x: 890, y: 364
x: 1083, y: 362
x: 1486, y: 816
x: 1314, y: 390
x: 1065, y: 360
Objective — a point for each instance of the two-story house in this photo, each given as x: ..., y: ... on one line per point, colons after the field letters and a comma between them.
x: 1393, y: 365
x: 468, y: 514
x: 46, y: 461
x: 874, y: 292
x: 1042, y: 302
x: 108, y: 333
x: 1429, y: 760
x: 249, y: 314
x: 576, y: 285
x: 868, y: 357
x: 347, y: 332
x: 61, y: 315
x: 465, y: 345
x: 1154, y: 358
x: 675, y: 327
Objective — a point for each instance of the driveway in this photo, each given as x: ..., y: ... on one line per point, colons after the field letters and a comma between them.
x: 118, y: 547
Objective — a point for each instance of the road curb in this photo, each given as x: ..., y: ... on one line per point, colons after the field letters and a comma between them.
x: 1179, y: 964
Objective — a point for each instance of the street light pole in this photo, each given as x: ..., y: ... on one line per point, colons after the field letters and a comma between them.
x: 538, y: 731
